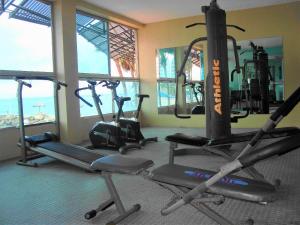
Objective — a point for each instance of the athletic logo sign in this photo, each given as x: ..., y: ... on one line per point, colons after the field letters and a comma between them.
x: 207, y: 176
x: 217, y: 86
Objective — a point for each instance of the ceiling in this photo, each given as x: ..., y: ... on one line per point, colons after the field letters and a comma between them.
x: 150, y: 11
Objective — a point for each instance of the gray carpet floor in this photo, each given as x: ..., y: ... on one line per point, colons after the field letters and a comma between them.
x: 59, y: 194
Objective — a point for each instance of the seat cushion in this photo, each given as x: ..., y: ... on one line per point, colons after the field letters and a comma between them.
x: 121, y: 164
x: 188, y: 140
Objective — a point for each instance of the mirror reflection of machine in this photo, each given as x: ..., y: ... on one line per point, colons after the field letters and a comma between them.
x: 260, y: 86
x: 198, y: 92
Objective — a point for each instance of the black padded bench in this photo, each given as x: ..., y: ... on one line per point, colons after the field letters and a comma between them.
x: 121, y: 164
x: 187, y: 139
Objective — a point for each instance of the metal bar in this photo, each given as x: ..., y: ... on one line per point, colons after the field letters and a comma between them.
x: 113, y: 192
x: 108, y: 48
x: 98, y: 77
x: 56, y: 107
x: 63, y: 158
x: 30, y: 11
x: 97, y: 102
x: 21, y: 121
x: 27, y: 74
x: 122, y: 38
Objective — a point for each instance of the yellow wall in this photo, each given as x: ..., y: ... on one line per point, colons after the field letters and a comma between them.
x: 280, y: 20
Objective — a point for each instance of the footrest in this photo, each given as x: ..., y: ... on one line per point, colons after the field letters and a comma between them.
x: 121, y: 164
x: 188, y: 140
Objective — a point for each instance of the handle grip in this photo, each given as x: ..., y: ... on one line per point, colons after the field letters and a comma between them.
x: 92, y: 82
x: 26, y: 84
x: 194, y: 24
x: 125, y: 99
x: 62, y: 83
x: 228, y: 25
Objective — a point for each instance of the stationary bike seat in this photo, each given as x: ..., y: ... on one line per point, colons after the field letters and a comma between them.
x: 124, y: 99
x: 121, y: 164
x: 142, y: 96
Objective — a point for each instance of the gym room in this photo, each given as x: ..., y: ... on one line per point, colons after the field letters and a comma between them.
x: 149, y: 112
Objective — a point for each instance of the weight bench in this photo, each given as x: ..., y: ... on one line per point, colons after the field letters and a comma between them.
x: 121, y: 165
x: 180, y: 177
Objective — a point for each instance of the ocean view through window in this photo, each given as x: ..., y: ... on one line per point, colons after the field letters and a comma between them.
x: 26, y: 48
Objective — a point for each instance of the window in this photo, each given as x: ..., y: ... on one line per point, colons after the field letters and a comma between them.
x: 125, y: 89
x: 8, y: 104
x: 26, y: 49
x: 92, y: 44
x: 123, y: 56
x: 166, y: 58
x: 105, y: 97
x: 129, y: 89
x: 38, y: 103
x: 106, y: 50
x: 27, y: 43
x: 168, y: 62
x: 166, y: 93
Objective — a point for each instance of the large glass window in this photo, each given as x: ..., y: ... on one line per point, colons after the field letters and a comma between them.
x: 122, y: 44
x: 166, y: 93
x: 125, y: 88
x: 26, y: 45
x: 129, y: 89
x: 25, y: 40
x: 92, y: 44
x: 107, y: 49
x: 166, y: 63
x: 105, y: 96
x: 8, y: 104
x: 38, y: 103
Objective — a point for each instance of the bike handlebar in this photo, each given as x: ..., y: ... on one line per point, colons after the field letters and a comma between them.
x: 80, y: 97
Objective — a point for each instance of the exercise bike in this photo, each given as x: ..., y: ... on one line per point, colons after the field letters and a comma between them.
x: 103, y: 133
x: 130, y: 126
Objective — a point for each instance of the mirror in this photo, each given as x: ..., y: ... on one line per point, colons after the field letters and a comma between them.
x: 168, y: 62
x: 258, y: 88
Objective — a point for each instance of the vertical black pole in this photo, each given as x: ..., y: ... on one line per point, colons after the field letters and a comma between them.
x: 264, y: 81
x: 217, y: 82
